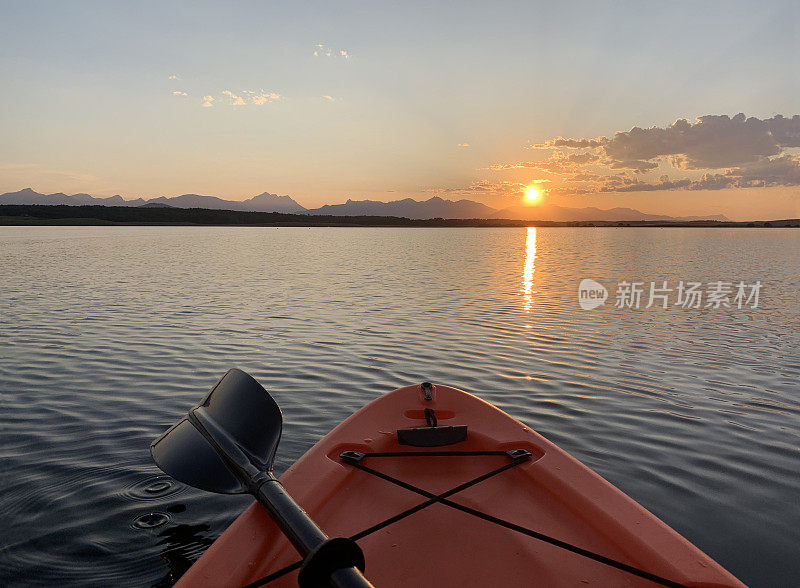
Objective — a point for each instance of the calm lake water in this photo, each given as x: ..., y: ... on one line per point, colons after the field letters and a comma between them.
x: 109, y: 334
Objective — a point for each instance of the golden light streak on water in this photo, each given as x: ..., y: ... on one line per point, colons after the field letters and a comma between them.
x: 530, y: 267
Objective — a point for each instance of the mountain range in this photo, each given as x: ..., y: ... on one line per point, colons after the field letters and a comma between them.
x: 265, y: 202
x: 435, y: 207
x: 432, y: 208
x: 553, y: 212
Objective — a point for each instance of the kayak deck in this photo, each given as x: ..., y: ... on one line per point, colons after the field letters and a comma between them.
x: 549, y: 493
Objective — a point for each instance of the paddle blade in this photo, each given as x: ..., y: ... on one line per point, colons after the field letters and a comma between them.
x: 183, y: 453
x: 248, y: 414
x: 228, y: 438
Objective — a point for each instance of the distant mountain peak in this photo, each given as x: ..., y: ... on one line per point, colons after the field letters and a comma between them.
x: 267, y: 196
x: 266, y: 202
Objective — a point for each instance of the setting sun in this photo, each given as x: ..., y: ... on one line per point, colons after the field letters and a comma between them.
x: 532, y: 195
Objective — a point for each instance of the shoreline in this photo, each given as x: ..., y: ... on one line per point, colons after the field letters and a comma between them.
x: 93, y: 215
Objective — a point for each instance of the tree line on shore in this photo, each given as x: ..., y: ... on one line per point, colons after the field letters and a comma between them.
x: 104, y: 215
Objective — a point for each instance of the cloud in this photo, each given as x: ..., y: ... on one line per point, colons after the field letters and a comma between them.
x: 321, y: 50
x: 637, y: 165
x: 329, y: 98
x: 174, y: 77
x: 582, y: 158
x: 264, y: 97
x: 710, y: 153
x: 570, y: 143
x: 785, y: 130
x: 585, y: 177
x: 261, y: 97
x: 783, y: 170
x: 712, y: 142
x: 463, y: 144
x: 179, y: 93
x: 235, y: 100
x: 558, y: 163
x: 257, y: 98
x: 485, y: 188
x: 638, y: 186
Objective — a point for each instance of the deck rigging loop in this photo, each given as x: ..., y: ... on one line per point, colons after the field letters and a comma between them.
x: 430, y: 417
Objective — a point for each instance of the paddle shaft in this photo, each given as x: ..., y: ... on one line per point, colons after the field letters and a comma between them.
x: 298, y: 527
x: 290, y: 517
x: 304, y: 534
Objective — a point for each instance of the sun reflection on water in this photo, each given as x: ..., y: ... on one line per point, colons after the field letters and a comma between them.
x: 530, y: 267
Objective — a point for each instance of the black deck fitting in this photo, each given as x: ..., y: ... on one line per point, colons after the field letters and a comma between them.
x: 351, y: 456
x: 519, y: 454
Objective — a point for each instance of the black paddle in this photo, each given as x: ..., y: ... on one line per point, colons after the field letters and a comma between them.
x: 227, y: 444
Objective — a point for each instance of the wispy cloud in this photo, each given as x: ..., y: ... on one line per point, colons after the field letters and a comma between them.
x: 322, y: 50
x: 246, y: 97
x: 329, y: 98
x: 485, y: 188
x: 235, y: 100
x: 174, y: 77
x: 463, y: 145
x: 179, y: 93
x: 558, y: 163
x: 262, y: 96
x: 711, y: 153
x: 570, y: 143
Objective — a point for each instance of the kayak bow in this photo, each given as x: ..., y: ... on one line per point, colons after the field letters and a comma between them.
x: 439, y: 488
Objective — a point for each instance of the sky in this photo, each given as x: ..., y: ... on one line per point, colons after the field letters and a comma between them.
x: 673, y: 108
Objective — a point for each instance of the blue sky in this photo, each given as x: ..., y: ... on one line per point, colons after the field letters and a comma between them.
x: 426, y: 99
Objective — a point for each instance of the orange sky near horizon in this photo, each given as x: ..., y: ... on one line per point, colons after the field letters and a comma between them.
x: 738, y: 204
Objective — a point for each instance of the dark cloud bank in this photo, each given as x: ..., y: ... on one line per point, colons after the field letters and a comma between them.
x: 732, y: 152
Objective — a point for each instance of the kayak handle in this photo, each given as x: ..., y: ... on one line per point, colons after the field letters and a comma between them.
x: 336, y: 562
x: 427, y: 388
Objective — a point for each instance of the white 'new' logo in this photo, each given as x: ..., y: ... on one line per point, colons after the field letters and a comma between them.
x: 591, y: 294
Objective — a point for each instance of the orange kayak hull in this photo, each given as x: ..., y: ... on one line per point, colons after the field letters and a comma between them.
x: 552, y: 493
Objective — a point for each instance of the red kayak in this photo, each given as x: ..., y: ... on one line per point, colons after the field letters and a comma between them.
x: 440, y: 488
